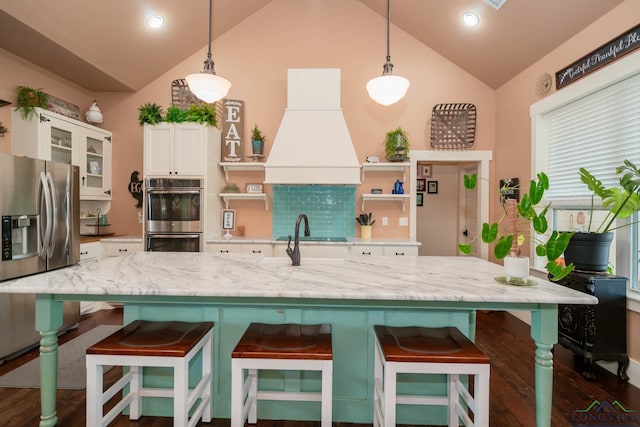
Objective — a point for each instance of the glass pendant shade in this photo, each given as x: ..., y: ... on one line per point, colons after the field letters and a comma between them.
x: 208, y: 87
x: 387, y: 89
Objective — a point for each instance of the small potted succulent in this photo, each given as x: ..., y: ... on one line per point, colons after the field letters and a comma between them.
x: 257, y: 141
x: 396, y: 145
x: 519, y: 217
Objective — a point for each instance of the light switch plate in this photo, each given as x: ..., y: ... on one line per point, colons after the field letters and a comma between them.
x: 385, y: 220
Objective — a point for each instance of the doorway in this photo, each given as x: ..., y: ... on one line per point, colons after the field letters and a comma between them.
x: 437, y: 223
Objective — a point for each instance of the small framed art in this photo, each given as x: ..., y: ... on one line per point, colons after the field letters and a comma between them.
x: 228, y: 219
x: 421, y: 184
x: 420, y: 199
x: 424, y: 171
x: 432, y: 187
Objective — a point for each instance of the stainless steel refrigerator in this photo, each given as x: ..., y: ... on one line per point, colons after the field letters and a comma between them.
x: 39, y: 205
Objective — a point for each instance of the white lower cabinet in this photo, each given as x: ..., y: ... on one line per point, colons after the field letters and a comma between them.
x: 401, y: 250
x: 315, y: 250
x: 224, y: 248
x: 120, y: 248
x: 367, y: 250
x: 265, y: 249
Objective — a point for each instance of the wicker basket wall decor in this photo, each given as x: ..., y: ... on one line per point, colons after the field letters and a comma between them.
x: 181, y: 96
x: 453, y: 126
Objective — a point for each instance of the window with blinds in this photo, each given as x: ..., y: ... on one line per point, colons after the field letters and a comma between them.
x: 596, y: 132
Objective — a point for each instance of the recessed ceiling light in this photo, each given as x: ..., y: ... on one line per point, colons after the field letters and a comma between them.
x: 155, y: 21
x: 470, y: 19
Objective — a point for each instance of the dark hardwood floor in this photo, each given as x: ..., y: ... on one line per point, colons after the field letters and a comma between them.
x: 503, y: 337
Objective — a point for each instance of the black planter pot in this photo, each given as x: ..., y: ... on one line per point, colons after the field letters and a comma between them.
x: 589, y: 251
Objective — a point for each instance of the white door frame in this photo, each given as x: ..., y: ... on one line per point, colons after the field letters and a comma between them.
x: 483, y: 157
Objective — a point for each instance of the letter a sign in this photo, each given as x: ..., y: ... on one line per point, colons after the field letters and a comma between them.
x: 232, y: 130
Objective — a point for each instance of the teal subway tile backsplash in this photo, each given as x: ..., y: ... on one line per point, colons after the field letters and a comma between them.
x: 330, y: 208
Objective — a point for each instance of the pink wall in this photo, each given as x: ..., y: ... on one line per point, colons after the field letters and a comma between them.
x: 255, y: 56
x: 513, y: 127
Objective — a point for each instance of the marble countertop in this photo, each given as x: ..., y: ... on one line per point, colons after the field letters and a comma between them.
x: 454, y: 279
x: 350, y: 241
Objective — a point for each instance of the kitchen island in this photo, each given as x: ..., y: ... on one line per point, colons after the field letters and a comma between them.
x: 352, y: 294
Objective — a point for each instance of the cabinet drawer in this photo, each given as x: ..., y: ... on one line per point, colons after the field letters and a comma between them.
x: 117, y: 249
x: 89, y: 251
x: 401, y: 250
x: 265, y: 249
x: 366, y: 250
x: 224, y: 248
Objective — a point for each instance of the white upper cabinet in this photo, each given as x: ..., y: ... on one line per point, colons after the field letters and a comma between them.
x: 175, y: 149
x: 51, y: 136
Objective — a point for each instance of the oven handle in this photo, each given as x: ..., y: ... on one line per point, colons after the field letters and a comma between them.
x: 173, y: 236
x: 153, y: 191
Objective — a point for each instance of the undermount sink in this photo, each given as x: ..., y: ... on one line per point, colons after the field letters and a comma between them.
x: 313, y: 239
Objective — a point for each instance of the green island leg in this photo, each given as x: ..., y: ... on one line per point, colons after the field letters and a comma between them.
x: 48, y: 320
x: 544, y: 331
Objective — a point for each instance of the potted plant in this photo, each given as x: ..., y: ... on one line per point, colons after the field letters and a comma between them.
x: 257, y: 141
x: 29, y: 99
x: 589, y: 250
x: 150, y: 113
x: 519, y: 218
x: 3, y: 130
x: 396, y: 145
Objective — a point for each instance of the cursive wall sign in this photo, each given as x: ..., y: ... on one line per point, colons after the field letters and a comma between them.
x: 608, y: 52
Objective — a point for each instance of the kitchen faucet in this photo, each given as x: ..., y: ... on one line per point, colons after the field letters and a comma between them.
x: 294, y: 253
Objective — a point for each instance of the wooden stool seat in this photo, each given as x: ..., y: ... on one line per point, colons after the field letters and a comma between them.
x: 292, y: 347
x: 159, y: 344
x: 421, y: 350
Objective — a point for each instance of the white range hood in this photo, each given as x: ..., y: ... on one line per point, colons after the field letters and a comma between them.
x: 313, y: 145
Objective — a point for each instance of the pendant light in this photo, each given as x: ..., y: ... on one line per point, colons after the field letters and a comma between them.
x: 206, y: 85
x: 387, y: 89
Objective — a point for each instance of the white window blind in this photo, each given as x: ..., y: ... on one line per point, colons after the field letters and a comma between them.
x: 596, y: 132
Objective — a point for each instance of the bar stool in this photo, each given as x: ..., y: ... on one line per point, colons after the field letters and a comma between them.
x: 291, y: 347
x: 419, y: 350
x: 151, y: 344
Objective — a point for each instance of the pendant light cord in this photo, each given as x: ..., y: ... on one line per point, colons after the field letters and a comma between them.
x: 388, y: 66
x: 208, y: 63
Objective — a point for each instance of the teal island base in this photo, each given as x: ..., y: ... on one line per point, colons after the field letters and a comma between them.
x: 352, y: 331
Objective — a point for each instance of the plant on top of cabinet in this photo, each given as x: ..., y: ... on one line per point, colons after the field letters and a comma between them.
x: 257, y: 140
x: 204, y: 114
x: 150, y: 112
x: 396, y: 145
x: 3, y: 130
x: 175, y: 115
x: 30, y: 98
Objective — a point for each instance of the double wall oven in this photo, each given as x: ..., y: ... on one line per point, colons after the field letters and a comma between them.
x: 173, y: 217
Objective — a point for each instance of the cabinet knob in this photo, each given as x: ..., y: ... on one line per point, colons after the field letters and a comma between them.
x: 224, y: 251
x: 122, y: 250
x: 400, y: 253
x: 84, y: 253
x: 366, y: 253
x: 256, y: 252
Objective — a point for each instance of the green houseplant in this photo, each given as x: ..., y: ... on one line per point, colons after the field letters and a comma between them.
x: 150, y: 113
x: 257, y: 140
x: 29, y: 99
x: 396, y: 145
x: 510, y: 230
x: 589, y: 250
x: 3, y: 130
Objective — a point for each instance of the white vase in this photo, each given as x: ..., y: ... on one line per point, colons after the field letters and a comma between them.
x: 516, y: 267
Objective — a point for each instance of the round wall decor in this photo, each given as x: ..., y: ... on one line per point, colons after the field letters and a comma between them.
x: 543, y: 84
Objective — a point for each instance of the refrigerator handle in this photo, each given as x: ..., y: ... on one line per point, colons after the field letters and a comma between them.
x: 52, y: 218
x: 44, y: 202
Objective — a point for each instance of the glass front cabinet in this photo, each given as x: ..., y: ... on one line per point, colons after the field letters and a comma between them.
x: 51, y: 136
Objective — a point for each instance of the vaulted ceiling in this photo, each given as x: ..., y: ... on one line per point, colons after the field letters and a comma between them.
x: 106, y: 46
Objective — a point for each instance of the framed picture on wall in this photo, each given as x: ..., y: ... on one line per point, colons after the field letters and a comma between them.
x: 420, y: 199
x: 424, y: 171
x: 228, y: 219
x: 432, y: 187
x: 421, y: 184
